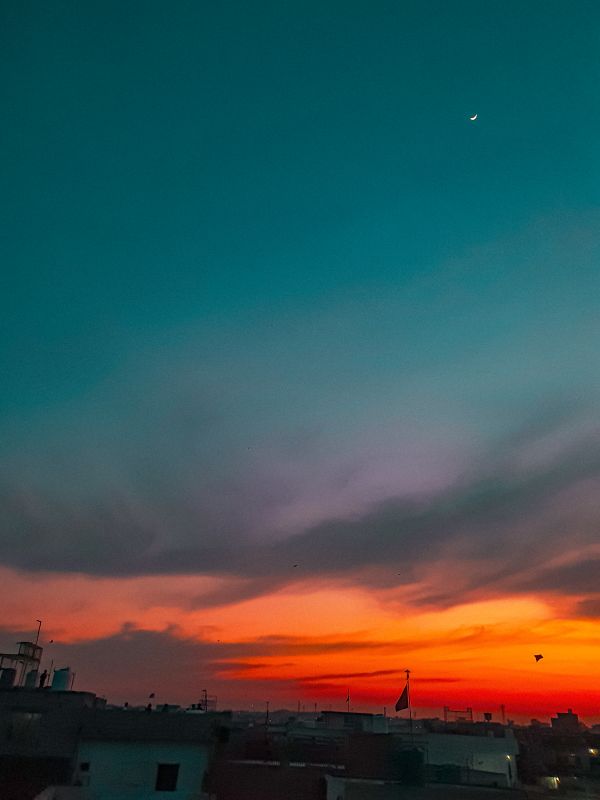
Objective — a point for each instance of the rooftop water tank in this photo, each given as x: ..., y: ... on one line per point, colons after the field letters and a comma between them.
x: 61, y: 680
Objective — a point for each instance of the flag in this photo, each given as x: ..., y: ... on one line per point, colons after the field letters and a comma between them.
x: 403, y: 699
x: 348, y: 696
x: 151, y: 695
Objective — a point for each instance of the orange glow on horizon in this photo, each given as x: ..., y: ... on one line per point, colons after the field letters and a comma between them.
x: 311, y: 643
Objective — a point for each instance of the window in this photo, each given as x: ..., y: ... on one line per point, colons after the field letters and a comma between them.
x: 166, y: 777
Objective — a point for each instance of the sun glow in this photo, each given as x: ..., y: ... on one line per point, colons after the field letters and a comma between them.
x: 313, y: 642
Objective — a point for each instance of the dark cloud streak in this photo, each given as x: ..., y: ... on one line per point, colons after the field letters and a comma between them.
x: 507, y: 515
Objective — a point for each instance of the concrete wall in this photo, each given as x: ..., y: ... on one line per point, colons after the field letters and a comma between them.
x: 64, y: 793
x: 356, y: 789
x: 350, y: 721
x: 40, y: 723
x: 481, y: 756
x: 262, y: 781
x: 127, y: 770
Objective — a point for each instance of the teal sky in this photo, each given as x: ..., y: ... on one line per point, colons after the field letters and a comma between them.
x: 259, y: 251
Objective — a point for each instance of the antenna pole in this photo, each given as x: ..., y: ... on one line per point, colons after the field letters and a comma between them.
x: 410, y: 716
x: 37, y: 638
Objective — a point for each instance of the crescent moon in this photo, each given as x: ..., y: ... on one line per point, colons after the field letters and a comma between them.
x: 473, y: 118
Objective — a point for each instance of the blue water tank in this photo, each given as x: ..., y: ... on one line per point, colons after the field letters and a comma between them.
x: 61, y: 680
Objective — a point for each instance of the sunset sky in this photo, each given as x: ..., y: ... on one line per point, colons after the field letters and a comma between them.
x: 300, y: 367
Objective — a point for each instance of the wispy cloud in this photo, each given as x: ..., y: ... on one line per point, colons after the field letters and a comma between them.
x: 498, y: 528
x: 333, y: 449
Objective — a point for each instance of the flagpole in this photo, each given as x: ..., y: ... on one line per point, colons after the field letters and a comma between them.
x: 410, y: 718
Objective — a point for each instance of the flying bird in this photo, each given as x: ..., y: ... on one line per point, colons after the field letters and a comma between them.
x: 538, y: 657
x: 473, y: 118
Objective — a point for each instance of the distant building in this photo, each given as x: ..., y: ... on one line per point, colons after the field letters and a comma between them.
x: 565, y: 722
x: 561, y: 755
x: 349, y: 756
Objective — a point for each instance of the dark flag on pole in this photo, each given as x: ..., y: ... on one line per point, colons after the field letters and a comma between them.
x: 402, y: 700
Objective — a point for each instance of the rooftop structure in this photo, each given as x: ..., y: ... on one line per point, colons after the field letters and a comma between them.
x: 20, y: 668
x: 64, y: 737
